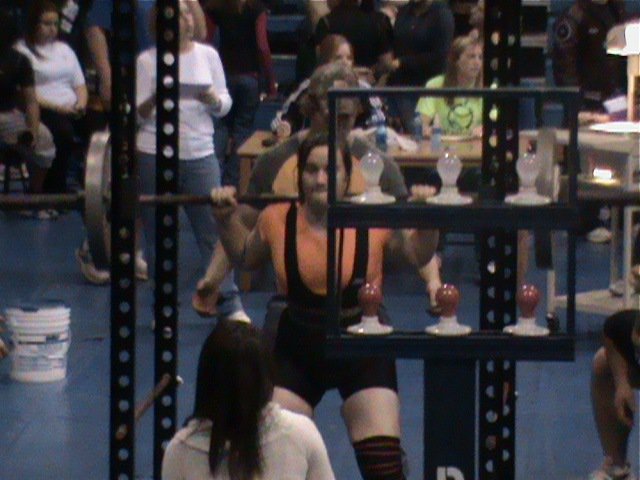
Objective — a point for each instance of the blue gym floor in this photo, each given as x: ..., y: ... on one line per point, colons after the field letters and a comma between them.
x: 60, y: 430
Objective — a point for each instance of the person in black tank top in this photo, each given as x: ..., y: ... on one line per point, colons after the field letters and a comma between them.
x: 367, y: 385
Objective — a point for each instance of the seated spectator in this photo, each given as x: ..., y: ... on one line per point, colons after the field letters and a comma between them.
x: 370, y: 33
x: 422, y: 35
x: 60, y: 87
x: 235, y: 431
x: 334, y: 48
x: 241, y: 26
x: 17, y: 91
x: 616, y: 373
x: 456, y: 115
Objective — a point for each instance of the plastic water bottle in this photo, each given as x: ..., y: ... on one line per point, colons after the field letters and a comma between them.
x: 417, y: 128
x: 381, y: 135
x: 436, y: 136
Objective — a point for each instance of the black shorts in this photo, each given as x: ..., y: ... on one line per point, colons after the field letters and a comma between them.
x: 302, y: 367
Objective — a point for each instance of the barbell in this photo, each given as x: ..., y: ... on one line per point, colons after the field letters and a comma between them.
x: 96, y: 199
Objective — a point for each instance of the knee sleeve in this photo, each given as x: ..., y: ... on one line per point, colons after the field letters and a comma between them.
x: 379, y: 458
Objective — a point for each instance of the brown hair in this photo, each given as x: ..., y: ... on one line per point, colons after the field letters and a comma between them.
x: 329, y: 46
x: 34, y: 16
x: 234, y: 384
x: 459, y: 45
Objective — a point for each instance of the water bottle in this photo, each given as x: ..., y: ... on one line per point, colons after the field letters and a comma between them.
x: 381, y: 135
x: 69, y: 15
x: 417, y: 128
x: 436, y: 136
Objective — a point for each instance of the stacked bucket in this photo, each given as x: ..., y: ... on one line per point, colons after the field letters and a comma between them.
x: 41, y: 337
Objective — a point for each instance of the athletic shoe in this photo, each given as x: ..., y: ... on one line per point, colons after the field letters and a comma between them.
x: 613, y: 473
x: 238, y: 316
x: 142, y: 269
x: 599, y: 235
x: 88, y: 268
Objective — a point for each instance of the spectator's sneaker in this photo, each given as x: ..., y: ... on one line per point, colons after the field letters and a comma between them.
x: 230, y: 307
x: 599, y: 235
x: 613, y: 473
x: 88, y: 268
x: 142, y: 269
x: 238, y: 316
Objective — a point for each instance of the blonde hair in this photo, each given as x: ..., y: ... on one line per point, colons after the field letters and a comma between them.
x: 458, y: 47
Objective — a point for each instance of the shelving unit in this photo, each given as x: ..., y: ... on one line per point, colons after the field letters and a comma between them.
x: 477, y: 370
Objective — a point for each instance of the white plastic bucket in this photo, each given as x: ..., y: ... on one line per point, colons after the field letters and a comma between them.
x: 41, y: 339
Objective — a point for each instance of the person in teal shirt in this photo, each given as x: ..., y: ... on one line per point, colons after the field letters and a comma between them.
x: 459, y: 115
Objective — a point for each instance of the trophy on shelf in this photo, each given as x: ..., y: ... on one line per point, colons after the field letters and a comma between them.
x: 527, y: 298
x: 370, y: 298
x: 448, y: 297
x: 371, y: 166
x: 528, y: 168
x: 449, y: 167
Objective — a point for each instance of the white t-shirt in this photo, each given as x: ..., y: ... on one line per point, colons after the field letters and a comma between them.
x: 57, y: 72
x: 200, y: 68
x: 292, y: 449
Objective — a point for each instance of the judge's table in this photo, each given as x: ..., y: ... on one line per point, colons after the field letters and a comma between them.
x: 605, y: 153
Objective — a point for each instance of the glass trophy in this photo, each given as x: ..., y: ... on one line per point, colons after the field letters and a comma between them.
x: 371, y: 166
x: 528, y: 168
x: 449, y: 168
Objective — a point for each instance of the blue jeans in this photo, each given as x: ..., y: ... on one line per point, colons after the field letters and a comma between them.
x: 195, y: 177
x: 237, y: 125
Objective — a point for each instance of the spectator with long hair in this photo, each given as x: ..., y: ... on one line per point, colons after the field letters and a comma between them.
x: 241, y: 26
x: 369, y: 33
x: 203, y: 95
x: 422, y: 35
x: 235, y: 431
x: 60, y: 87
x: 334, y: 48
x: 457, y: 115
x: 19, y: 110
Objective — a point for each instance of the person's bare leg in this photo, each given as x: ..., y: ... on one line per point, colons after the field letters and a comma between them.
x: 612, y: 432
x: 370, y: 412
x: 292, y: 402
x: 372, y: 417
x: 206, y: 295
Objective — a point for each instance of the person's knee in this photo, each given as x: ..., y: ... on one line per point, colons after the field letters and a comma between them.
x: 600, y: 365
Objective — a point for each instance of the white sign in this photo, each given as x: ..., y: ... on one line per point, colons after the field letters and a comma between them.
x: 446, y: 473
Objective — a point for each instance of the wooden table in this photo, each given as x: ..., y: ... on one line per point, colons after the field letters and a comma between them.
x: 469, y: 151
